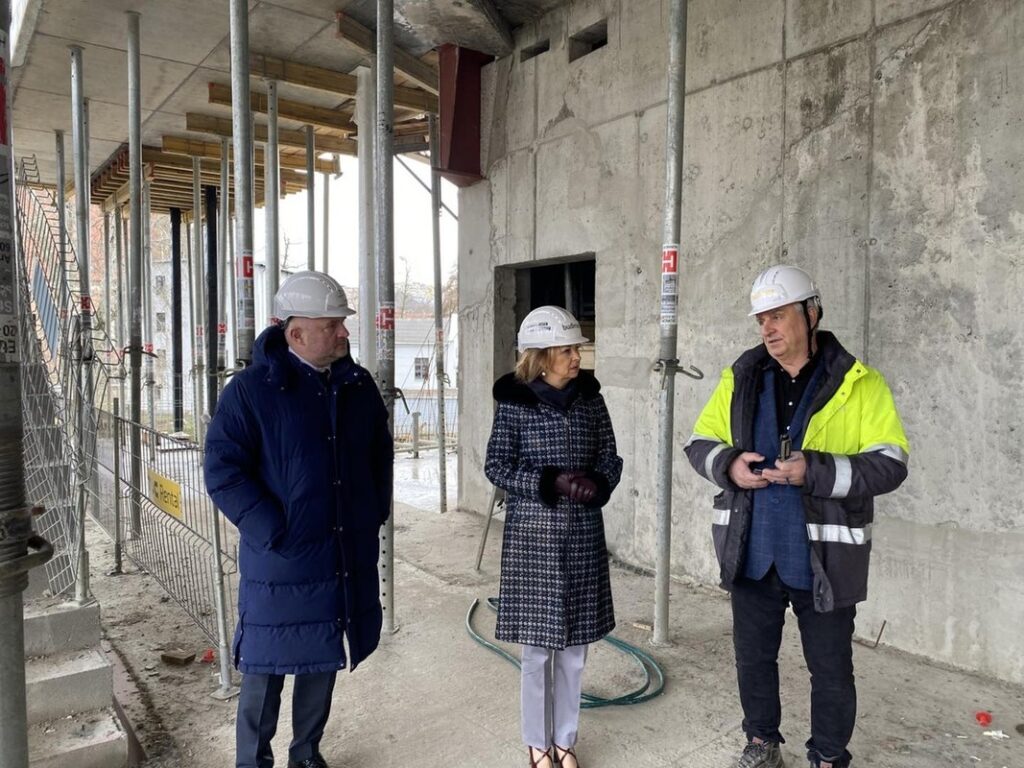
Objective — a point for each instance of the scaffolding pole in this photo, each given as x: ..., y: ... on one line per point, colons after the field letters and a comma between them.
x: 326, y: 221
x: 177, y: 367
x: 147, y: 287
x: 198, y: 304
x: 62, y: 223
x: 668, y: 363
x: 79, y: 139
x: 310, y: 198
x: 384, y: 231
x: 271, y: 170
x: 366, y: 114
x: 222, y: 266
x: 135, y: 266
x: 435, y: 217
x: 16, y: 538
x: 241, y: 120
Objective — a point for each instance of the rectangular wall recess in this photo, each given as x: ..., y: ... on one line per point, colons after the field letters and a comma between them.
x: 543, y: 46
x: 588, y: 40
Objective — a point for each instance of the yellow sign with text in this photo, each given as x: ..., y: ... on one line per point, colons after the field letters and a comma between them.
x: 165, y: 493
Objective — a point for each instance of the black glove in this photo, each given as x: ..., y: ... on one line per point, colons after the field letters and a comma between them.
x: 583, y: 489
x: 564, y: 482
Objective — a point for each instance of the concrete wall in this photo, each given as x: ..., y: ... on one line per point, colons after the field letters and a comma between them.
x: 876, y: 143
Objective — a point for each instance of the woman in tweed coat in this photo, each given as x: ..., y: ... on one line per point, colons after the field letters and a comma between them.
x: 552, y: 450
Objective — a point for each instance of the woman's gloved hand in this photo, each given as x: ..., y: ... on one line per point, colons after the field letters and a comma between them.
x: 582, y: 489
x: 564, y: 483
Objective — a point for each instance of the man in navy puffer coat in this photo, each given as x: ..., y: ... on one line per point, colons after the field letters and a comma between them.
x: 299, y: 458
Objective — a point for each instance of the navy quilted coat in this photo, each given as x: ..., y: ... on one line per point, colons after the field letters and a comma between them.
x: 555, y: 589
x: 303, y: 467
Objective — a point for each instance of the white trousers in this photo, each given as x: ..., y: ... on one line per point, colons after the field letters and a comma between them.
x: 551, y: 687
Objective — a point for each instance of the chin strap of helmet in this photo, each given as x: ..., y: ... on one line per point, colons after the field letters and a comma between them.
x: 805, y: 304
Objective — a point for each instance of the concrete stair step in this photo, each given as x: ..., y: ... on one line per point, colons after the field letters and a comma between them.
x: 56, y: 626
x: 87, y: 740
x: 66, y: 683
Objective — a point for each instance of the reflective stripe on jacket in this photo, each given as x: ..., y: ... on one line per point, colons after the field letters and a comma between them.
x: 855, y: 449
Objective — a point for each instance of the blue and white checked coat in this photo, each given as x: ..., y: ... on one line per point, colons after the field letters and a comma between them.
x: 555, y: 589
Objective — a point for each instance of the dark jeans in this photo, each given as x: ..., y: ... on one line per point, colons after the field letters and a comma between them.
x: 758, y: 613
x: 259, y: 703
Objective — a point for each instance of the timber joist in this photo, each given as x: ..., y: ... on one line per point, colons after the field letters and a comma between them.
x: 170, y: 178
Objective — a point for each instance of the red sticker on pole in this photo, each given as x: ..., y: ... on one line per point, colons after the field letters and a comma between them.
x: 245, y: 266
x: 87, y: 305
x: 147, y: 348
x: 222, y: 328
x: 669, y: 259
x: 386, y: 319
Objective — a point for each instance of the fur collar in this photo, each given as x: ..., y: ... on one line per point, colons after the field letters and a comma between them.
x: 508, y: 389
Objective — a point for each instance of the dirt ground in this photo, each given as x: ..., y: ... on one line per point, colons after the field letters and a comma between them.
x: 431, y: 696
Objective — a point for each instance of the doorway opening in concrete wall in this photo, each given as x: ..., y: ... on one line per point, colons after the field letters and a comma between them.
x: 568, y: 283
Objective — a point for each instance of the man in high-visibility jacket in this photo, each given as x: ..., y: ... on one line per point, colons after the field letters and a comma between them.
x: 801, y: 436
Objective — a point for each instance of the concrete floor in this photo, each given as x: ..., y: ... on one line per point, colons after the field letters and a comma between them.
x: 430, y: 696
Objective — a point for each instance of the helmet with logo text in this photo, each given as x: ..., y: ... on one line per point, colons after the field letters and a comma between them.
x: 549, y: 326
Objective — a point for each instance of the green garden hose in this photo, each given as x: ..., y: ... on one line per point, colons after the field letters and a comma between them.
x: 648, y: 665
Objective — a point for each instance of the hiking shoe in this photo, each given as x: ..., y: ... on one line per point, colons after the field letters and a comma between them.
x: 760, y: 755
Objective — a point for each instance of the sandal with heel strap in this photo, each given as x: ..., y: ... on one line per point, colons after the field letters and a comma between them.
x: 542, y: 753
x: 562, y: 752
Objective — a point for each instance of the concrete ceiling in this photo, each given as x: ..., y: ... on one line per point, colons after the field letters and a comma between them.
x: 185, y: 47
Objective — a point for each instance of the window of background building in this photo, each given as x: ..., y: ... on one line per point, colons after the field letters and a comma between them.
x: 161, y: 322
x: 421, y: 367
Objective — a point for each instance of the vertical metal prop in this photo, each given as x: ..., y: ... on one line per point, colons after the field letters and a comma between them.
x: 271, y: 196
x: 147, y: 318
x: 222, y: 262
x: 119, y: 259
x: 668, y: 364
x: 435, y: 206
x: 177, y: 367
x: 85, y: 359
x: 62, y: 223
x: 135, y: 268
x: 198, y: 305
x: 118, y: 533
x: 241, y: 121
x: 15, y: 518
x: 310, y: 198
x: 366, y: 113
x: 326, y: 220
x: 383, y: 186
x: 211, y: 297
x: 106, y: 274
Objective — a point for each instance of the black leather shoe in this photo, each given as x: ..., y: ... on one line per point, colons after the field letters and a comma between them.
x: 317, y: 761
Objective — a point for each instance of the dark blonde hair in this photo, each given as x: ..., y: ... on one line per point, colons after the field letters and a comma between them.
x: 532, y: 363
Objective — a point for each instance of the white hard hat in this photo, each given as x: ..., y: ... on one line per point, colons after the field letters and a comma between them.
x: 549, y: 327
x: 781, y: 285
x: 311, y: 294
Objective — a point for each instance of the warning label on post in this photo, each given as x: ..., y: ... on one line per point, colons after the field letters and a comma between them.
x: 669, y: 284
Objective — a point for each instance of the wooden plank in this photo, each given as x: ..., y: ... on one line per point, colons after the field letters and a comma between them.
x: 221, y: 126
x: 365, y: 40
x: 334, y: 119
x: 180, y: 146
x: 318, y: 78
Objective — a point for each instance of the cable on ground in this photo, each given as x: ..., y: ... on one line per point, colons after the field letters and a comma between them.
x: 651, y: 670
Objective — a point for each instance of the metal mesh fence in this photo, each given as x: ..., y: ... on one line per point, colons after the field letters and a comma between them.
x: 165, y: 520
